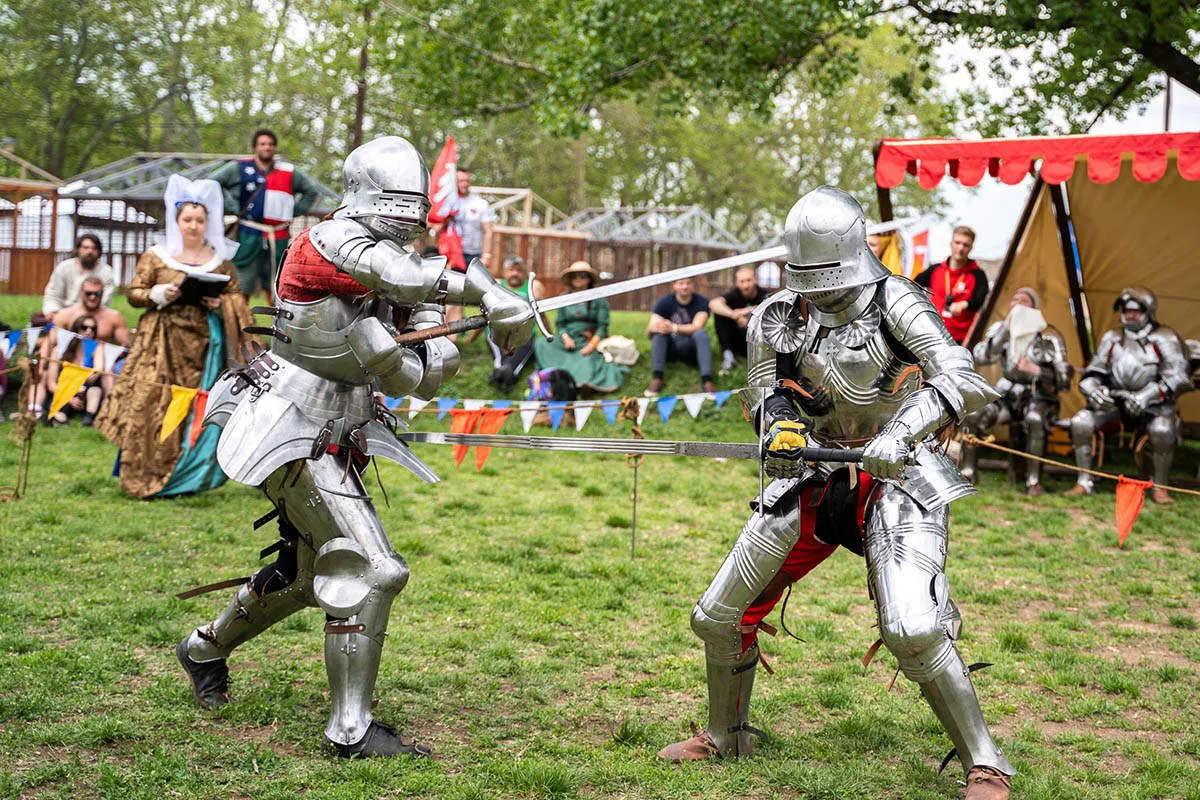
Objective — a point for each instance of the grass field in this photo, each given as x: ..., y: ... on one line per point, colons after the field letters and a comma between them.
x: 541, y: 661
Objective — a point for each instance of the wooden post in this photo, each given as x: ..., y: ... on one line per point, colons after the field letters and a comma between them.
x: 1074, y: 270
x: 883, y: 196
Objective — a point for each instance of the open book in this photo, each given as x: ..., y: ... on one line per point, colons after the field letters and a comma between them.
x: 201, y: 284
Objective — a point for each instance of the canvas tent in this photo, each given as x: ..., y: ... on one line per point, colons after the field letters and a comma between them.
x: 1105, y: 212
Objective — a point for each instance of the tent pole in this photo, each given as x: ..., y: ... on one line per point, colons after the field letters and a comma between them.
x: 883, y: 196
x: 989, y: 303
x: 1063, y: 218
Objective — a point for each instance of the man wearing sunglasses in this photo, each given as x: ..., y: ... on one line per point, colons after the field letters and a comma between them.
x: 110, y: 325
x: 68, y: 276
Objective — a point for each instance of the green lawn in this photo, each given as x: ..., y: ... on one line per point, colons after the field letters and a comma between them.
x: 540, y: 661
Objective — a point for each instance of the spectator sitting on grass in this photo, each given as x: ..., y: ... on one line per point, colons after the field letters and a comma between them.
x: 82, y: 350
x: 506, y: 368
x: 731, y: 314
x: 677, y: 333
x: 581, y: 327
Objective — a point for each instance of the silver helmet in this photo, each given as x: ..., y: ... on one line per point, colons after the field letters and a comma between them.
x: 1139, y: 297
x: 387, y: 188
x: 826, y: 238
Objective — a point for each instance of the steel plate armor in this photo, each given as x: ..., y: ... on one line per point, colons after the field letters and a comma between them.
x: 867, y: 361
x: 1025, y: 397
x: 301, y: 420
x: 1136, y: 376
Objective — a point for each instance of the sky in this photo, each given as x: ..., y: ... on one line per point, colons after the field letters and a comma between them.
x: 993, y: 208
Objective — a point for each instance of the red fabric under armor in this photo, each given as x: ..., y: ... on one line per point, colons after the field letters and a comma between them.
x: 808, y: 552
x: 306, y: 275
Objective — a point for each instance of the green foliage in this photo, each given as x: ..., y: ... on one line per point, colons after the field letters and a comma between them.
x: 1065, y: 61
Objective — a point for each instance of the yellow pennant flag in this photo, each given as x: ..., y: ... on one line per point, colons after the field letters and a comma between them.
x: 70, y: 381
x: 181, y: 403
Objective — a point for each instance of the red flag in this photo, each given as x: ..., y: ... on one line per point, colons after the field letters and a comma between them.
x: 444, y: 204
x: 463, y: 421
x: 1130, y: 496
x: 198, y: 406
x: 492, y: 422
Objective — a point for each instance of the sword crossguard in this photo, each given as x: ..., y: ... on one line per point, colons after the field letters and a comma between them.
x: 538, y: 320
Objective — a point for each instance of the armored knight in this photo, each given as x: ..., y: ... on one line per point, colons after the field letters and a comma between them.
x: 301, y: 421
x: 1033, y: 362
x: 1136, y: 376
x: 849, y: 355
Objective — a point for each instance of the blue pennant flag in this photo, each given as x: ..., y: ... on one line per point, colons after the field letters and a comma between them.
x: 556, y: 409
x: 610, y: 409
x: 444, y: 405
x: 665, y: 406
x: 13, y: 338
x: 89, y: 352
x: 721, y: 397
x: 394, y: 402
x: 502, y: 404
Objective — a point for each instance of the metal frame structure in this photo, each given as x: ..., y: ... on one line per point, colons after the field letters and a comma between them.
x: 689, y: 225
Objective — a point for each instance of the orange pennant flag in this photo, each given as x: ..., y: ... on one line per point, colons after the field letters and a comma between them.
x: 1130, y: 496
x: 181, y: 401
x: 492, y: 422
x: 197, y: 417
x: 70, y: 381
x: 463, y: 421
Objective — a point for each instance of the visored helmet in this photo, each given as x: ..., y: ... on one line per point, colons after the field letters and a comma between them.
x: 387, y: 188
x: 826, y: 238
x: 1141, y: 297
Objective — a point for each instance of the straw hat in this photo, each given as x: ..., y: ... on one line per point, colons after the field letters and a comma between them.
x: 578, y: 267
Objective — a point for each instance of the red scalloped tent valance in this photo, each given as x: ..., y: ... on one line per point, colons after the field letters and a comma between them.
x: 1011, y: 160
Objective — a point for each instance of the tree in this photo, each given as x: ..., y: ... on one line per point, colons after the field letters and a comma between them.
x: 1072, y: 59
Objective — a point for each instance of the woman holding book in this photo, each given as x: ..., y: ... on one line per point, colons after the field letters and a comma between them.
x: 191, y: 331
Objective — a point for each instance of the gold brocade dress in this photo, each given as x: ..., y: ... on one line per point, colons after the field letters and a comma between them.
x: 169, y: 347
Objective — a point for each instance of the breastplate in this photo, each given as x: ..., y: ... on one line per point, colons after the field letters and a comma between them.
x: 858, y: 367
x: 1133, y: 365
x: 317, y: 334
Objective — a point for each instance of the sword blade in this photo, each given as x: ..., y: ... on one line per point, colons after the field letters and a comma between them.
x: 658, y: 279
x: 657, y: 447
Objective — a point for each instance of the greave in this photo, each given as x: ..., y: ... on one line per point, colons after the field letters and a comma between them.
x: 952, y: 698
x: 244, y: 618
x: 729, y: 690
x: 1035, y: 445
x: 1162, y: 450
x: 1081, y: 440
x: 353, y: 648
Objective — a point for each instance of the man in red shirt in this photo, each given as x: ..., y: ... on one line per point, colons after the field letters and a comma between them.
x: 958, y: 285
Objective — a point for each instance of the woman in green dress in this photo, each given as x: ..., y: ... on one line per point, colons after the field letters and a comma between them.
x: 581, y: 327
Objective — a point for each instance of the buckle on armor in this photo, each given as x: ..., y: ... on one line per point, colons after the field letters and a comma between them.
x: 262, y: 330
x: 273, y: 312
x: 322, y: 440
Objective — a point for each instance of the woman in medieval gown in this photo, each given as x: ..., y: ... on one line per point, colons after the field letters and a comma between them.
x: 191, y: 331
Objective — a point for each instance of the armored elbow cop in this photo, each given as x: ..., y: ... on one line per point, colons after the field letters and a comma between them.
x: 398, y: 369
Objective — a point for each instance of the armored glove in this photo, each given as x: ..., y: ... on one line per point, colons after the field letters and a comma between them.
x: 887, y: 454
x: 782, y: 448
x: 1137, y: 402
x: 1098, y: 395
x: 510, y: 317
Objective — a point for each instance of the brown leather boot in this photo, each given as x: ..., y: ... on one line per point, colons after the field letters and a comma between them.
x: 1161, y: 496
x: 1035, y: 490
x: 985, y: 783
x: 1078, y: 490
x: 697, y: 748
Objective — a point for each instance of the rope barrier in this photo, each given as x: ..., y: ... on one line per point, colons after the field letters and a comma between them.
x: 975, y: 440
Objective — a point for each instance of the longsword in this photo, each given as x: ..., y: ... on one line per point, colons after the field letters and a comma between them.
x: 658, y: 447
x: 565, y: 299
